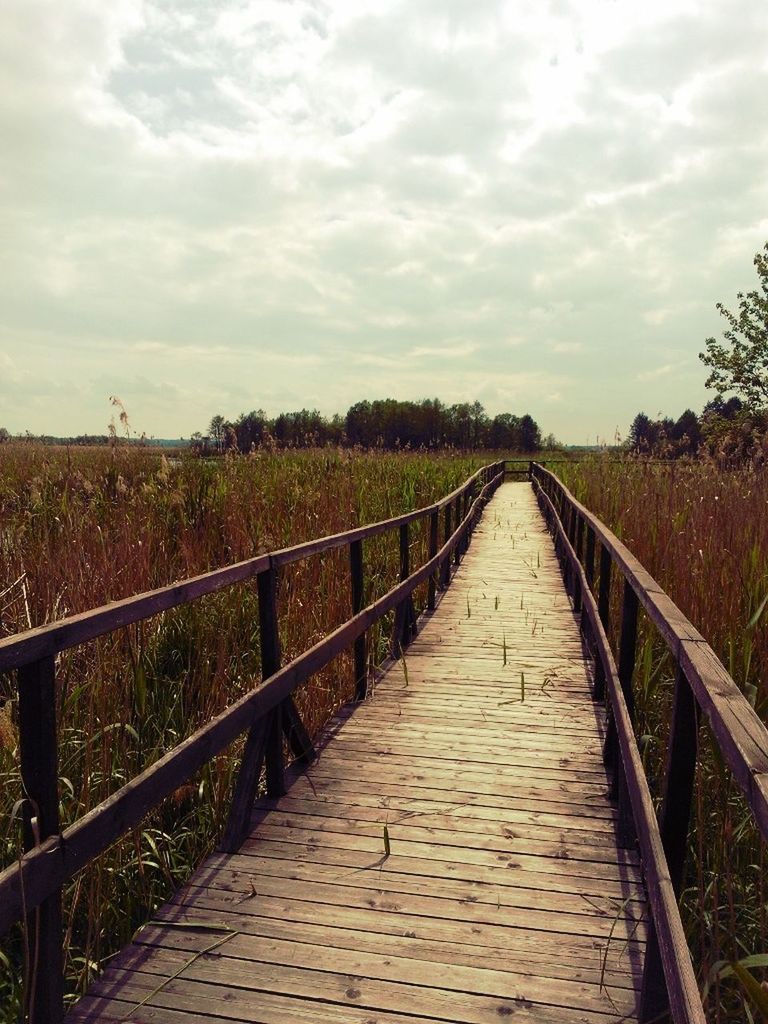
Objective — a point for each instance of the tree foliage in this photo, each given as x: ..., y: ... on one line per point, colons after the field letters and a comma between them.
x: 741, y: 364
x: 383, y: 423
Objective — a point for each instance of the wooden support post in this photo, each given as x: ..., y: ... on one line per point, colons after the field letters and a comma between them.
x: 405, y: 617
x: 265, y: 736
x: 434, y: 527
x: 604, y: 592
x: 589, y: 557
x: 271, y: 656
x: 273, y: 754
x: 246, y: 787
x: 570, y: 519
x: 298, y: 738
x: 471, y: 523
x: 40, y: 775
x: 674, y: 820
x: 566, y: 521
x: 626, y: 667
x: 456, y: 524
x: 446, y: 573
x: 358, y: 603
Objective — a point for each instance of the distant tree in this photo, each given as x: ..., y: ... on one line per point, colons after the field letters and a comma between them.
x: 642, y: 434
x: 686, y: 433
x: 741, y: 365
x: 250, y: 428
x: 217, y: 431
x: 717, y: 406
x: 4, y: 435
x: 530, y: 435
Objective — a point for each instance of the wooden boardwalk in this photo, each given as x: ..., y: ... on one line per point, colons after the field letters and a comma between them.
x: 451, y: 855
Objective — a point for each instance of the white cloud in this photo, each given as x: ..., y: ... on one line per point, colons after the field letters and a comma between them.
x: 658, y: 371
x: 251, y: 202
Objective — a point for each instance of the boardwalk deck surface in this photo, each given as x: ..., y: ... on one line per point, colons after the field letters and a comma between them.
x: 503, y: 895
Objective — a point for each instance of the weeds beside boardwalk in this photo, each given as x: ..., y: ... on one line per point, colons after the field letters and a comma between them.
x: 81, y: 528
x: 703, y: 534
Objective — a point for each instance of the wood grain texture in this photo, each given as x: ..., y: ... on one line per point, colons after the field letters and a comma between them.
x: 451, y: 853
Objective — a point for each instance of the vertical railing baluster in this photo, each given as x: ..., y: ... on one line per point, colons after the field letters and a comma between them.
x: 358, y: 603
x: 626, y: 667
x: 434, y: 529
x: 604, y: 593
x: 578, y: 527
x: 271, y: 656
x: 456, y: 524
x: 674, y: 820
x: 589, y: 556
x: 405, y: 617
x: 40, y: 775
x: 446, y: 573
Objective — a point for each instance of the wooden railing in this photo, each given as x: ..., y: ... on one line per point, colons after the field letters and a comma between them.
x: 589, y: 553
x: 31, y: 889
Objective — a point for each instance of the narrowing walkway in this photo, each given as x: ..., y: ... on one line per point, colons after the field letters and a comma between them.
x: 450, y: 856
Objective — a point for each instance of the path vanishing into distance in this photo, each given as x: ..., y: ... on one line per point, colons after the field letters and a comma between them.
x: 452, y: 853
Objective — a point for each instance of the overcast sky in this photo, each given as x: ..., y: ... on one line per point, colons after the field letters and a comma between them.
x: 213, y: 206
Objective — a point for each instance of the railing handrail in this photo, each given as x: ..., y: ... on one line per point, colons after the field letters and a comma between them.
x: 53, y: 857
x: 54, y: 637
x: 741, y: 735
x: 701, y: 683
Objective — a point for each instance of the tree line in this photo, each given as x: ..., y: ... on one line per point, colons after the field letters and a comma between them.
x: 383, y: 423
x: 724, y: 427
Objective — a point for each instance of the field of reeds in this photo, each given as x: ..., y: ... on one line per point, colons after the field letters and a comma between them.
x: 81, y: 528
x: 702, y: 532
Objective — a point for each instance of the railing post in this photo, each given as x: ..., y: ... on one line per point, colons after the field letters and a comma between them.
x: 358, y: 599
x: 405, y: 618
x: 604, y: 592
x: 674, y: 819
x: 40, y: 775
x: 465, y: 503
x: 579, y: 545
x: 266, y: 583
x: 456, y: 523
x: 434, y: 527
x: 589, y: 557
x: 626, y: 667
x: 566, y: 521
x: 446, y: 573
x: 471, y: 523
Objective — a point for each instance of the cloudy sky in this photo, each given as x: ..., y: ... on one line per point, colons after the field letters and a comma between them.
x: 213, y: 206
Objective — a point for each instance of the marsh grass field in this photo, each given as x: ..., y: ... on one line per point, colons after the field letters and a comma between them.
x: 80, y: 528
x: 702, y: 533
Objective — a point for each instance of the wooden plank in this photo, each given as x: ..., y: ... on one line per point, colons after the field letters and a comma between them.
x: 394, y: 966
x: 359, y: 930
x: 548, y: 856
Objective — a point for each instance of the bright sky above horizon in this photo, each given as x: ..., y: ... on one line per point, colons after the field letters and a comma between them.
x: 216, y: 206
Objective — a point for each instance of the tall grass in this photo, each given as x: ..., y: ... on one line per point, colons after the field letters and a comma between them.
x: 702, y: 533
x: 81, y: 528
